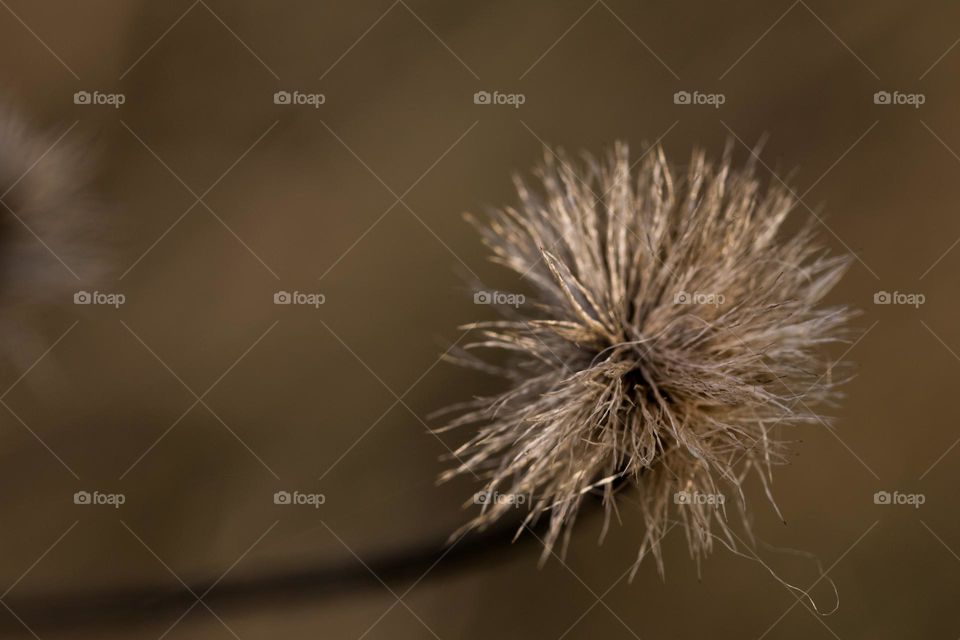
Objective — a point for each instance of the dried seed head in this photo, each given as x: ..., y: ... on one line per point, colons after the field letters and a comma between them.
x: 671, y: 334
x: 49, y: 233
x: 47, y: 223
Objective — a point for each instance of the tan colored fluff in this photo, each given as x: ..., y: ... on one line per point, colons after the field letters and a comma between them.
x: 625, y: 366
x: 46, y: 220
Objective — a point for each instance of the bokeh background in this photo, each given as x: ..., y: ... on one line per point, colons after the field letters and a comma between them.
x: 199, y: 398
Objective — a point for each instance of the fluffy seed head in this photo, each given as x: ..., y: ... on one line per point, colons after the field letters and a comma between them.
x: 672, y: 331
x: 49, y: 236
x: 47, y: 218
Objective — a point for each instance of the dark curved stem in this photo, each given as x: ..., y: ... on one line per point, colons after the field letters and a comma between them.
x: 129, y: 605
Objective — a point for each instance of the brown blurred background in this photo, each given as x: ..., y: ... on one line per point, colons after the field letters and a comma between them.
x: 334, y: 400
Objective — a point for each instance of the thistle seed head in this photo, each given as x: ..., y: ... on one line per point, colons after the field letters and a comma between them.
x: 672, y: 331
x: 47, y: 217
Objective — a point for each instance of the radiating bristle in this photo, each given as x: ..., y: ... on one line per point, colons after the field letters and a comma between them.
x: 672, y: 328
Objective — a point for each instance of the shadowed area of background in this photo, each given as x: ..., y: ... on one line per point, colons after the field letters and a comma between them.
x: 199, y: 398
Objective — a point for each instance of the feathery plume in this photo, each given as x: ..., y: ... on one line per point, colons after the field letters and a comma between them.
x: 47, y: 215
x: 48, y: 232
x: 672, y: 332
